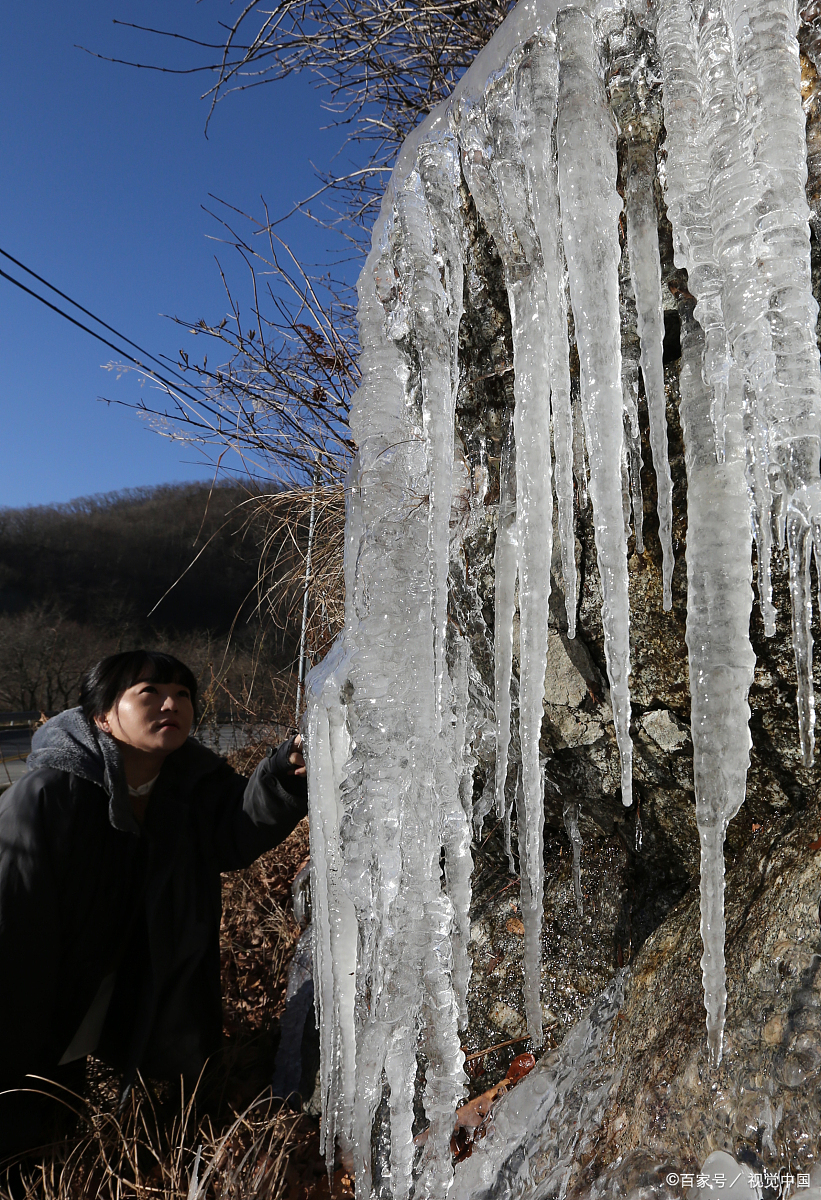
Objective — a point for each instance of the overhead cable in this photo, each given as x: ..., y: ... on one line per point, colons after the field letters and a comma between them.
x: 104, y: 324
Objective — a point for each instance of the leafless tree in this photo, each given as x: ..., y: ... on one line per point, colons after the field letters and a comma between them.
x: 382, y: 64
x: 288, y: 364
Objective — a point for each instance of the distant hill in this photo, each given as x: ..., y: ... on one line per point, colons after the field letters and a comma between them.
x: 79, y: 580
x: 101, y: 558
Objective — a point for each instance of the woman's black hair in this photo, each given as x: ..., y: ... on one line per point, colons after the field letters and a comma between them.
x: 103, y: 684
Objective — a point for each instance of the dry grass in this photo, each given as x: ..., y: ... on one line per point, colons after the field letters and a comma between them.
x: 151, y: 1151
x: 287, y: 517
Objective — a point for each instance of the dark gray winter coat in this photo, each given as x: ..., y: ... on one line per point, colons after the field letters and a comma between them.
x: 85, y: 891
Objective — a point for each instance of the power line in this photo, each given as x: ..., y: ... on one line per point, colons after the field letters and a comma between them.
x: 117, y: 349
x: 99, y: 321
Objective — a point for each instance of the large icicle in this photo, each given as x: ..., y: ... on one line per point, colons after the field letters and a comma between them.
x: 719, y: 602
x: 534, y: 498
x: 427, y: 210
x: 590, y: 212
x: 687, y: 194
x: 538, y: 84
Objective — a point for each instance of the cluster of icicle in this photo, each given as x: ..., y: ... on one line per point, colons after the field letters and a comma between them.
x: 390, y: 722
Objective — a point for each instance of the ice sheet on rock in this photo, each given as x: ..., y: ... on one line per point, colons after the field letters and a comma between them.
x: 590, y: 209
x: 533, y: 1135
x: 645, y: 269
x: 721, y: 659
x: 719, y: 1168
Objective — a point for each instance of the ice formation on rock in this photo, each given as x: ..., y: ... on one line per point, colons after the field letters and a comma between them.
x: 530, y: 138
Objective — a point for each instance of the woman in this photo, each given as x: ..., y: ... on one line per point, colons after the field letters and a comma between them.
x: 111, y: 849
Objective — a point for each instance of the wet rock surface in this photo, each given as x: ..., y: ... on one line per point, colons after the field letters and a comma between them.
x: 660, y: 1109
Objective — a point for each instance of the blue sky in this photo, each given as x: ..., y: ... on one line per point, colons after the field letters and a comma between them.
x: 104, y: 172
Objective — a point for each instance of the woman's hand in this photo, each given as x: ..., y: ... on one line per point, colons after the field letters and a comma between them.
x: 296, y: 758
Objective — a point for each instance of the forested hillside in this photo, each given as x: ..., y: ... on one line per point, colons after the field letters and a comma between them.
x: 174, y: 567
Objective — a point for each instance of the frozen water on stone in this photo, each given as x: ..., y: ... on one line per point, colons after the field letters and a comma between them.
x: 645, y: 269
x: 532, y: 1136
x: 571, y: 824
x: 590, y: 210
x: 719, y: 601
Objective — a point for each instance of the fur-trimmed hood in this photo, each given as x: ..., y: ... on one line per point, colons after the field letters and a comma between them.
x: 70, y: 742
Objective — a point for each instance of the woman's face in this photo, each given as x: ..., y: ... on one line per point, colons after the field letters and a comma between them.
x: 154, y: 718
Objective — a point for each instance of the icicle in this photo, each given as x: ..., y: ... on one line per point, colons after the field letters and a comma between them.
x: 688, y: 200
x: 799, y: 544
x: 538, y: 88
x: 571, y: 824
x: 631, y: 453
x: 455, y: 780
x: 534, y: 500
x: 719, y: 600
x: 333, y: 917
x: 762, y: 505
x: 505, y: 562
x: 580, y: 471
x: 590, y: 210
x: 429, y: 222
x: 645, y: 270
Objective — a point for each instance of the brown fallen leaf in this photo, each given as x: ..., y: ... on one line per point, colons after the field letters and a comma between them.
x: 816, y: 845
x: 514, y: 925
x: 472, y: 1118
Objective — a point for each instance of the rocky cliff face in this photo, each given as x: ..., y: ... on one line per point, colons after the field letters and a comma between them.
x: 664, y: 1110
